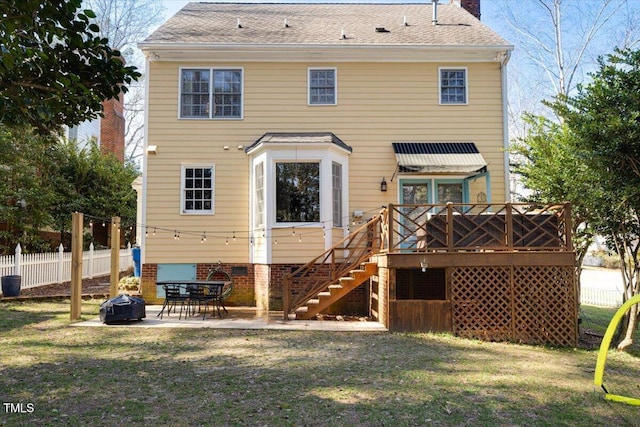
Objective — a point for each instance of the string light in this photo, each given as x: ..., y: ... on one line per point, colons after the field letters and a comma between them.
x: 226, y: 242
x: 220, y: 234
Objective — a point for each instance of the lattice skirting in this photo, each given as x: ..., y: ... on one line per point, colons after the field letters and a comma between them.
x: 529, y: 304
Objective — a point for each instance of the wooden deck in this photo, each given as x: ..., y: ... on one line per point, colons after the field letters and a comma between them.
x: 492, y: 272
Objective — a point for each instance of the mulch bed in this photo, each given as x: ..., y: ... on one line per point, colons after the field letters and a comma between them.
x: 96, y: 288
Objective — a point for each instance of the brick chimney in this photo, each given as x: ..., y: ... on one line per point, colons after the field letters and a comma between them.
x: 471, y: 6
x: 112, y: 127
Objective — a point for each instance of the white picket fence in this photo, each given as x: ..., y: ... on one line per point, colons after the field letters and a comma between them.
x: 55, y: 267
x: 600, y: 297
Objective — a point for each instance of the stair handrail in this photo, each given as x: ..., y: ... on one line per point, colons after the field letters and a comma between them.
x: 358, y: 246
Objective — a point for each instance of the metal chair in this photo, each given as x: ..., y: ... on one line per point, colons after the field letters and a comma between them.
x: 199, y: 296
x: 172, y: 297
x: 226, y: 290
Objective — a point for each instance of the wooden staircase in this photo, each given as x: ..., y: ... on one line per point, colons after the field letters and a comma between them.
x: 336, y: 291
x: 333, y: 274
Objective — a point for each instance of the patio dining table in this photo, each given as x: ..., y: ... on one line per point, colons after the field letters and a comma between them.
x: 211, y: 290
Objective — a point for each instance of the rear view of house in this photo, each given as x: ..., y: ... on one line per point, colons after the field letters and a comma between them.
x: 276, y: 130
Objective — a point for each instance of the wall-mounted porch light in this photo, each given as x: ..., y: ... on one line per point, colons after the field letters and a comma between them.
x: 383, y: 184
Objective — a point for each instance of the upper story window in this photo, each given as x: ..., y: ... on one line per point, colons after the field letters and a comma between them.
x: 453, y: 86
x: 210, y: 93
x: 197, y: 189
x: 322, y: 86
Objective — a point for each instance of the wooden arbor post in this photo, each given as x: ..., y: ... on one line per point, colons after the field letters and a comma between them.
x: 115, y: 256
x: 76, y: 265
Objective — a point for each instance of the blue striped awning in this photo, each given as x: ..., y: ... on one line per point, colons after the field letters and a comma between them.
x: 438, y: 157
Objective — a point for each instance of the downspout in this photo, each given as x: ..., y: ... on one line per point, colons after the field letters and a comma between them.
x: 145, y: 162
x: 505, y: 125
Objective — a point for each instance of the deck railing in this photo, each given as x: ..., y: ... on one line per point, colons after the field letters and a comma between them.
x: 471, y: 227
x: 332, y: 264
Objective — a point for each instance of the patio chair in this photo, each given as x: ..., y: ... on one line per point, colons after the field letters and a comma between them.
x: 200, y: 296
x: 226, y: 291
x: 173, y: 296
x: 219, y: 274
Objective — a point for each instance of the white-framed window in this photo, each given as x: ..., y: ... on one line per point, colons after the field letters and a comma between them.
x: 453, y: 86
x: 297, y: 192
x: 258, y: 217
x: 336, y: 193
x: 323, y: 86
x: 197, y: 189
x: 211, y: 93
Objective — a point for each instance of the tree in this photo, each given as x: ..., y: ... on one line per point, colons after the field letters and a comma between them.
x: 557, y: 45
x: 55, y: 68
x: 94, y: 183
x: 550, y: 165
x: 26, y: 169
x: 125, y: 23
x: 605, y: 118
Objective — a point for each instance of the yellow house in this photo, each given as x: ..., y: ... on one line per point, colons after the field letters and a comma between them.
x: 274, y: 130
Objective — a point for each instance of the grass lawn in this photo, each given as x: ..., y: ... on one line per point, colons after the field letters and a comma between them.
x: 56, y: 374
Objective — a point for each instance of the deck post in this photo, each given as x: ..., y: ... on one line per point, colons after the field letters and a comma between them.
x: 509, y: 221
x: 390, y: 232
x: 450, y: 227
x: 568, y: 233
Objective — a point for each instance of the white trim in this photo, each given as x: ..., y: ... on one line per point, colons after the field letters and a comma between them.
x: 505, y: 125
x: 325, y: 155
x: 335, y: 86
x: 184, y: 166
x: 211, y: 71
x: 145, y: 162
x: 466, y: 85
x: 322, y: 52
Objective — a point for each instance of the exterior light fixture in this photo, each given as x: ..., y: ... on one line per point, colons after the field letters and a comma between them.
x: 383, y: 185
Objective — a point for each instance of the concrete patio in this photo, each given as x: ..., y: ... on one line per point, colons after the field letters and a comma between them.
x: 238, y: 318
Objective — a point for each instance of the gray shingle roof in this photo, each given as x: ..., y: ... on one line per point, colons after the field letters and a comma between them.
x: 299, y: 138
x: 323, y: 24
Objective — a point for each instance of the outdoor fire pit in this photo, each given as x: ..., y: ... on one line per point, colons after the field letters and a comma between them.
x: 121, y: 308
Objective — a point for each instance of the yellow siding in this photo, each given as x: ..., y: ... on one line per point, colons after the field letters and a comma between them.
x: 378, y: 103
